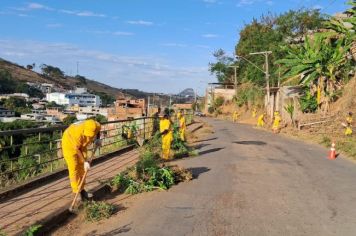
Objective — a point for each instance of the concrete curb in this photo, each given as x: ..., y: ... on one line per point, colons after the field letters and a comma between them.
x: 47, y: 178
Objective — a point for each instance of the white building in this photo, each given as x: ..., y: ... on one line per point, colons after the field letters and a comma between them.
x: 78, y: 97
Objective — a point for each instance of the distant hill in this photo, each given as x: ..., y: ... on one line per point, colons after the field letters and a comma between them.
x: 189, y: 92
x: 20, y: 73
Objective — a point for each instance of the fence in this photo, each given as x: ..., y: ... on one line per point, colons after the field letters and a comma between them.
x: 30, y: 152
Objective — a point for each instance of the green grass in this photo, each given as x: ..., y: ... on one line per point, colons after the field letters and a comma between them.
x: 96, y: 211
x: 32, y: 230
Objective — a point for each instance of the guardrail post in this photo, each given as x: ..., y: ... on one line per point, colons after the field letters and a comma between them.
x: 144, y: 128
x: 50, y: 148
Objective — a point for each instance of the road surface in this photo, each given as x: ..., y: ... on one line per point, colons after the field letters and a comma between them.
x: 247, y: 182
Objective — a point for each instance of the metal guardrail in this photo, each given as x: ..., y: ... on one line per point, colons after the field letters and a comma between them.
x: 27, y: 153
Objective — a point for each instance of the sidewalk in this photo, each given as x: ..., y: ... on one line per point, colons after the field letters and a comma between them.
x: 23, y: 211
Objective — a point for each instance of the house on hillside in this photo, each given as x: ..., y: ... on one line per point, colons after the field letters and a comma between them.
x: 127, y: 109
x: 6, y: 113
x: 79, y: 97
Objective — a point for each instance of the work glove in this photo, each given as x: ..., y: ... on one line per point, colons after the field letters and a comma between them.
x: 86, y: 166
x: 98, y: 143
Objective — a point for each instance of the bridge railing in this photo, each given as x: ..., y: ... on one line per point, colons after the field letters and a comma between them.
x: 27, y: 153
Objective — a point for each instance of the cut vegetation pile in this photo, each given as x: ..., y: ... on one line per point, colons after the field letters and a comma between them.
x: 96, y: 211
x: 150, y: 173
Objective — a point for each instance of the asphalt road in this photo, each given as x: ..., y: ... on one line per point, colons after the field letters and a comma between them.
x: 248, y: 182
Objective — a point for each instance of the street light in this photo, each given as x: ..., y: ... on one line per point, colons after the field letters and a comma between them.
x: 266, y: 72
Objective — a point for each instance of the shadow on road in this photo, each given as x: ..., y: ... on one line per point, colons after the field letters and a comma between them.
x: 204, y: 140
x: 210, y: 151
x: 200, y: 146
x: 122, y: 229
x: 196, y: 171
x: 250, y: 143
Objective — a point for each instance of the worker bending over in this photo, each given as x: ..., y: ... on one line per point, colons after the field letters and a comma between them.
x: 182, y: 125
x: 75, y: 141
x: 165, y: 128
x: 276, y: 121
x: 348, y: 130
x: 261, y: 120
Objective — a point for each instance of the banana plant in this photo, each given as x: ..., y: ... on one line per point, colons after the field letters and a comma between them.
x: 318, y: 60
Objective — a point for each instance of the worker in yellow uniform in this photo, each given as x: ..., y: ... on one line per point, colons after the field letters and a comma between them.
x: 182, y: 126
x: 348, y: 131
x: 261, y: 120
x: 276, y: 121
x: 75, y: 141
x: 166, y: 131
x: 254, y: 112
x: 235, y: 116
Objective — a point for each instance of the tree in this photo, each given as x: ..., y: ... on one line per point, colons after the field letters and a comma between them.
x: 70, y: 119
x: 13, y: 102
x: 106, y: 99
x: 81, y: 80
x: 51, y: 71
x: 221, y: 67
x: 100, y: 118
x: 268, y: 34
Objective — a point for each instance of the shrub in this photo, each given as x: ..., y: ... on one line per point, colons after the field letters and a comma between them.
x: 219, y: 101
x: 308, y: 103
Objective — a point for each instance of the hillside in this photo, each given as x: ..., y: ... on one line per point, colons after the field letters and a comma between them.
x: 22, y: 74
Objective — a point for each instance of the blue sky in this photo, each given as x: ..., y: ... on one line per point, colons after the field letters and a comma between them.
x: 155, y: 46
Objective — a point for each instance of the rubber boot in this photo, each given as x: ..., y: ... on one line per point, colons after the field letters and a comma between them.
x: 85, y: 195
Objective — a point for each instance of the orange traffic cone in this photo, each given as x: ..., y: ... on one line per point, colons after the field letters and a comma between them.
x: 332, y: 152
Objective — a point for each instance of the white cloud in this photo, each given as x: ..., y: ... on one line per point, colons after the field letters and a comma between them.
x: 89, y: 13
x: 210, y: 1
x: 37, y: 6
x: 122, y: 71
x: 82, y: 13
x: 140, y: 22
x: 210, y: 35
x: 122, y: 33
x: 242, y: 3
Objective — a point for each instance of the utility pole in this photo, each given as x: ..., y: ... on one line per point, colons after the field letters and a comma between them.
x: 266, y: 53
x: 77, y: 67
x: 148, y: 106
x: 235, y: 77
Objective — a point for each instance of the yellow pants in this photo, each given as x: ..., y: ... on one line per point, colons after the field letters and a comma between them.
x: 275, y: 125
x: 348, y: 131
x: 76, y: 171
x: 182, y: 134
x: 260, y: 123
x: 166, y: 145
